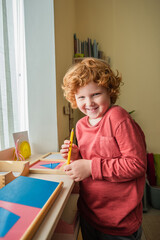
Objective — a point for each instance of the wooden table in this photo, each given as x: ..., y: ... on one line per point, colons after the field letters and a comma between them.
x: 48, y: 225
x: 50, y: 221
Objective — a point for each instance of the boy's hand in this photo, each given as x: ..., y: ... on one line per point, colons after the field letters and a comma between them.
x: 65, y: 149
x: 79, y: 169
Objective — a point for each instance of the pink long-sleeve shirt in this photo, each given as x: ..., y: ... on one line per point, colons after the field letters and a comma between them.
x: 111, y: 199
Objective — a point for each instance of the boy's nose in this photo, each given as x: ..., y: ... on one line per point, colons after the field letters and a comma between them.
x: 89, y: 101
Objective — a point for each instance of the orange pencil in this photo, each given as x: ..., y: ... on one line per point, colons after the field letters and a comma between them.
x: 70, y: 148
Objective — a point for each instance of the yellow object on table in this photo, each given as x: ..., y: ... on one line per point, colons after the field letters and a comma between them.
x: 70, y: 148
x: 24, y: 149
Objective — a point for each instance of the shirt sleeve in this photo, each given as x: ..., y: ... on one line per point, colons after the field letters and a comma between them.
x: 131, y: 163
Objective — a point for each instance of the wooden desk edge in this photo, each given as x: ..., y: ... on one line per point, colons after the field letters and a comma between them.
x: 49, y: 223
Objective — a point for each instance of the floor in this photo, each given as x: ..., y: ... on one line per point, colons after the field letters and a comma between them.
x: 151, y: 231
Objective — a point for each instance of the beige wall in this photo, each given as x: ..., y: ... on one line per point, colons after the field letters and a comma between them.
x: 128, y: 31
x: 137, y: 56
x: 64, y: 30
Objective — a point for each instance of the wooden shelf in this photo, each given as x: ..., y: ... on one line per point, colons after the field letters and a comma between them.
x: 79, y: 59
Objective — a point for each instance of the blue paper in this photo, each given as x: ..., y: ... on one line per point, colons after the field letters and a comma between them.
x: 28, y: 191
x: 7, y: 220
x: 50, y: 165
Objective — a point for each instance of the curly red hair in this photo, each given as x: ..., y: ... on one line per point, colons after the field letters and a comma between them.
x: 90, y: 69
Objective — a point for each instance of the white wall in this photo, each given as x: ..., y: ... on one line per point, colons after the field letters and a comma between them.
x: 40, y: 52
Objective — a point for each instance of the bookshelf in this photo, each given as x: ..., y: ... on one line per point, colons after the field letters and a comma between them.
x: 79, y: 59
x: 87, y: 48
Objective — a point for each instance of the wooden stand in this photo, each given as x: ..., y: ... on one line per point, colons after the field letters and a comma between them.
x: 7, y: 154
x: 8, y: 167
x: 37, y: 166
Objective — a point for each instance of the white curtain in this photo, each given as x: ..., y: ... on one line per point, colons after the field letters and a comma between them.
x: 13, y: 86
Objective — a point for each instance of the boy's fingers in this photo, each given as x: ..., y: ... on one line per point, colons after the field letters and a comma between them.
x: 67, y: 167
x: 67, y: 141
x: 64, y: 146
x: 64, y: 150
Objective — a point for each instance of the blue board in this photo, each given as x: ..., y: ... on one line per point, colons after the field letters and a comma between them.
x: 28, y: 191
x: 22, y: 202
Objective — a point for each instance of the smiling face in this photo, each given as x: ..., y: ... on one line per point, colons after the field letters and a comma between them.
x: 93, y: 101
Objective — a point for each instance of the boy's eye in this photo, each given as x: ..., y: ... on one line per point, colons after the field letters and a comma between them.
x: 80, y: 97
x: 95, y: 94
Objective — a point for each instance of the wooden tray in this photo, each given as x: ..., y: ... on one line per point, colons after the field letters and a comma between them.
x: 10, y: 170
x: 24, y: 203
x: 47, y: 164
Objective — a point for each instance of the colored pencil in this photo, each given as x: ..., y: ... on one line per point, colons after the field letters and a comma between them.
x: 70, y: 147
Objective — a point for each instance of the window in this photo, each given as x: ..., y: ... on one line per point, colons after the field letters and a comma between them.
x: 13, y: 85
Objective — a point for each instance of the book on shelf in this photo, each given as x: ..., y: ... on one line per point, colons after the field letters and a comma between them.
x: 87, y: 48
x: 95, y: 49
x: 75, y: 44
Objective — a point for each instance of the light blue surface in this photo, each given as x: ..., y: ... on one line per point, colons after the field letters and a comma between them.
x: 55, y: 156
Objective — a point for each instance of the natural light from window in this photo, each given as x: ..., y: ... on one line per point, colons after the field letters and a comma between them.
x: 13, y: 81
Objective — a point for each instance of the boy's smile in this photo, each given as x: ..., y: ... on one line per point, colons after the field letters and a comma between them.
x: 93, y: 100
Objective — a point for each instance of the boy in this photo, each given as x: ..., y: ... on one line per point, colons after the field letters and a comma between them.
x: 110, y: 159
